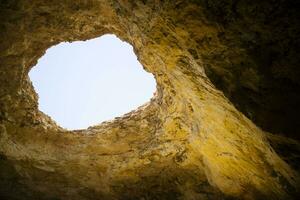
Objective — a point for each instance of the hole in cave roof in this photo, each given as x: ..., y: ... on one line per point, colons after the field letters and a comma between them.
x: 81, y: 84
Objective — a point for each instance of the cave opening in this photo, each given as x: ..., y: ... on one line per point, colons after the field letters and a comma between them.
x: 84, y: 83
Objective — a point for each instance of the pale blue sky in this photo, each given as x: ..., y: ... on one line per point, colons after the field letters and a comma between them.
x: 84, y: 83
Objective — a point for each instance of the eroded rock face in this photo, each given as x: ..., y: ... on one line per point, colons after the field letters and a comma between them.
x: 189, y: 141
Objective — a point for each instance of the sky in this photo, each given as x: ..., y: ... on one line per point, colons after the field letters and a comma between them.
x: 84, y: 83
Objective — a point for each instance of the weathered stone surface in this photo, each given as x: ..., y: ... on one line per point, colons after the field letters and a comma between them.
x: 189, y: 141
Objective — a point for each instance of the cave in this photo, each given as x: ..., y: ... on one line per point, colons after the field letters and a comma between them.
x: 223, y: 123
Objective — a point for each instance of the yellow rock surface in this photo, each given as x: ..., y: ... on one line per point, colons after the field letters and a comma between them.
x: 191, y: 141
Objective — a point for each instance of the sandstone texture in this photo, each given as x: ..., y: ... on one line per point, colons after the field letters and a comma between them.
x: 224, y: 123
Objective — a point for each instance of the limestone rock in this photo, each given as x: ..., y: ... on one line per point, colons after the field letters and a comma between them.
x: 223, y: 69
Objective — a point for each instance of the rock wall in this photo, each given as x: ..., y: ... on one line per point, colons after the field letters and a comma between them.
x: 219, y: 65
